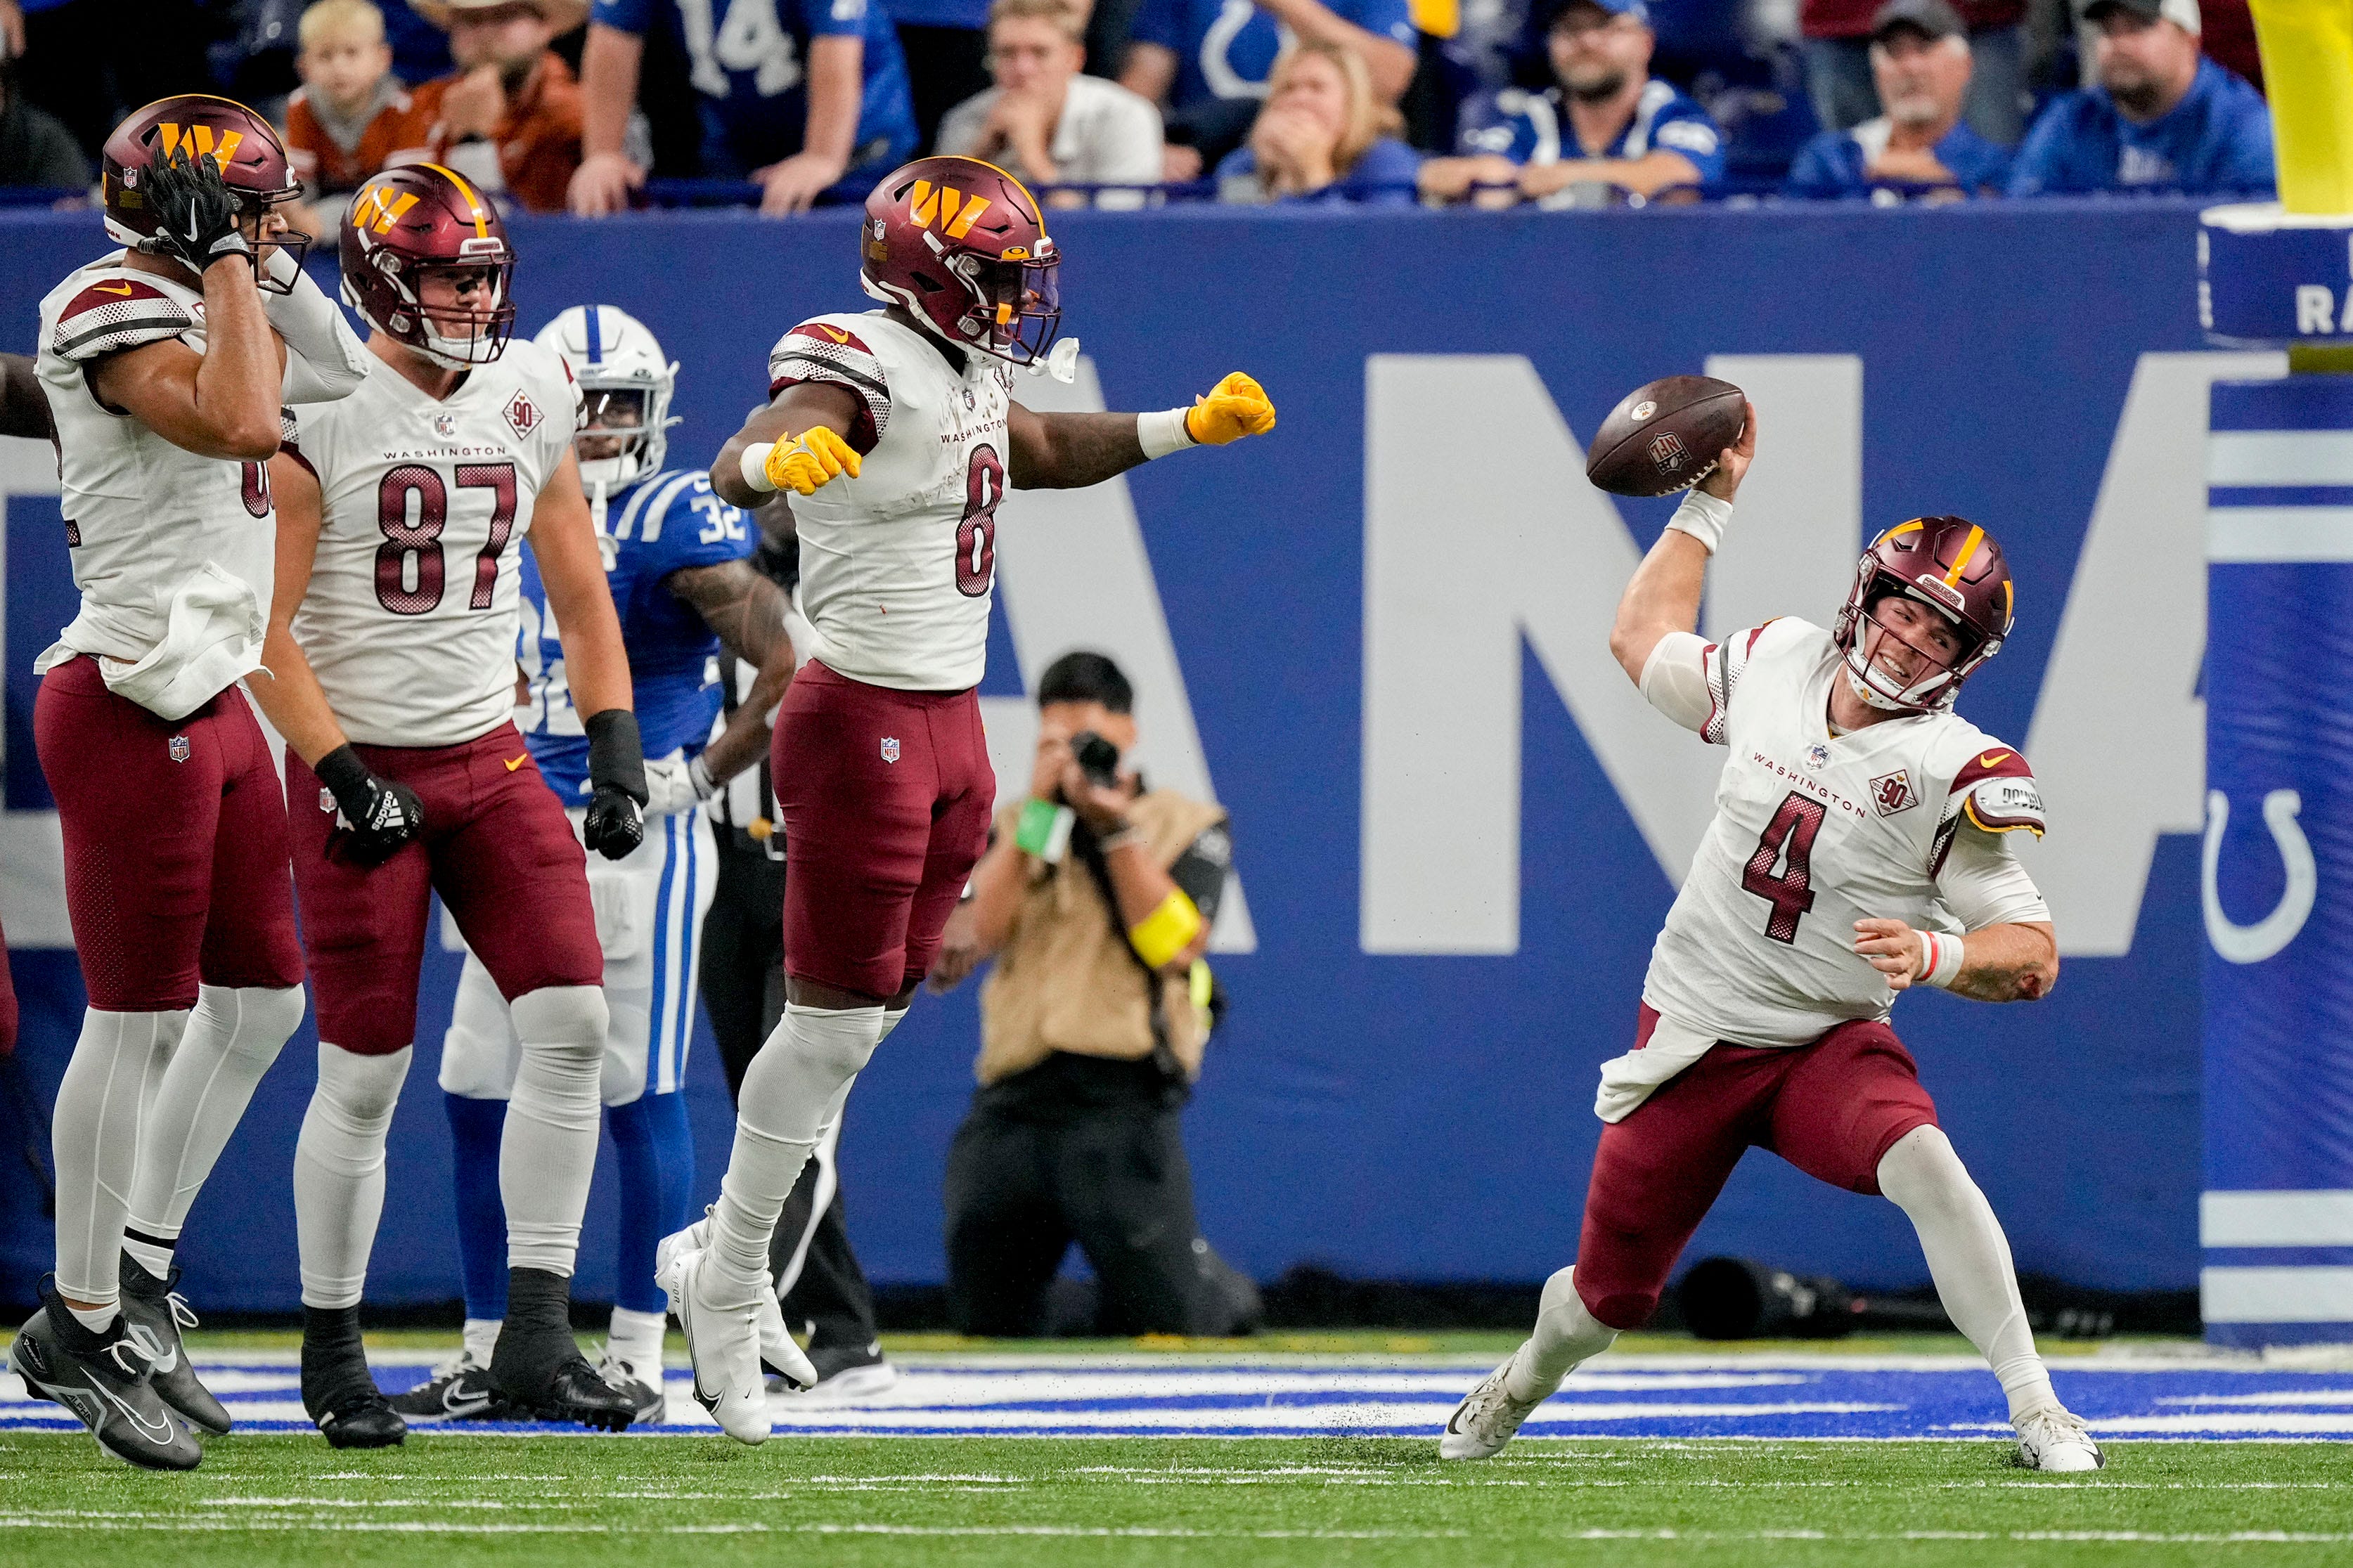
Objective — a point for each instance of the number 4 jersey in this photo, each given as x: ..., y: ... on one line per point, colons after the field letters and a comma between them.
x: 411, y: 614
x: 897, y: 564
x: 1900, y: 820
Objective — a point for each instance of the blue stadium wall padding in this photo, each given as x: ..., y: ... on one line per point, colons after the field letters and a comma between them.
x: 1423, y: 1115
x: 2277, y: 1211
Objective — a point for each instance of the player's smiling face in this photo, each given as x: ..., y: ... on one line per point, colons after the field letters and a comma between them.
x: 1909, y: 640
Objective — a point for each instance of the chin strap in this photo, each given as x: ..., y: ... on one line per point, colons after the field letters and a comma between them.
x: 607, y: 550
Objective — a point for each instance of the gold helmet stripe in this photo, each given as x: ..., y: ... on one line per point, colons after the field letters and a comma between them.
x: 482, y: 228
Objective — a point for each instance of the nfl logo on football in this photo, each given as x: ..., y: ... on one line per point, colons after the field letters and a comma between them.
x: 890, y: 748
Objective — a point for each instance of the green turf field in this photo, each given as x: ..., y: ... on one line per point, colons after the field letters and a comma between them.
x: 265, y: 1500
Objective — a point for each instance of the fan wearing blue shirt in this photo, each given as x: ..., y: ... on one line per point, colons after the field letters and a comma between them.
x: 796, y: 95
x: 678, y: 560
x: 2162, y: 115
x: 1208, y: 61
x: 1606, y: 121
x: 1920, y: 63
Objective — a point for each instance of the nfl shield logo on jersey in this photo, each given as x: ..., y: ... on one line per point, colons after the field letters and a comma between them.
x: 523, y: 413
x: 445, y: 425
x: 180, y: 749
x: 1892, y: 793
x: 1817, y: 756
x: 890, y: 748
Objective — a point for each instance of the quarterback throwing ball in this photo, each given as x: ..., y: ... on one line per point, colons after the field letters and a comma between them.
x: 897, y: 433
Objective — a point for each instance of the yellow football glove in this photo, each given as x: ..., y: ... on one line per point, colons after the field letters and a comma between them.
x: 1236, y: 406
x: 818, y: 454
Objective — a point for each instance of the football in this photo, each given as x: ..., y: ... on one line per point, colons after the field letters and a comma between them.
x: 1665, y: 436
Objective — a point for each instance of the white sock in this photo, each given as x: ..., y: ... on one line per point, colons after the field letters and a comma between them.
x: 482, y: 1338
x: 791, y: 1091
x: 1565, y: 1334
x: 94, y: 1139
x: 339, y: 1171
x: 548, y: 1152
x: 231, y: 1038
x: 1968, y: 1258
x: 637, y: 1338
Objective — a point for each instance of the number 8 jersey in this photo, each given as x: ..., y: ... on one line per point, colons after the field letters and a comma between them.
x: 897, y: 564
x: 411, y: 615
x: 1814, y: 831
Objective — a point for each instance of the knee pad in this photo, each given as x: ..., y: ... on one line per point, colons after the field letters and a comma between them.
x: 1921, y: 1170
x: 357, y: 1093
x: 260, y: 1018
x: 833, y: 1045
x: 568, y: 1021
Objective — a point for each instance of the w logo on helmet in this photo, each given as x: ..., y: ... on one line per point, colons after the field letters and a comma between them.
x: 200, y: 140
x: 380, y: 207
x: 954, y: 212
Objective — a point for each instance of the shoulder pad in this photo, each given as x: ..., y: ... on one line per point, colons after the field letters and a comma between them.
x: 117, y: 312
x: 1995, y: 792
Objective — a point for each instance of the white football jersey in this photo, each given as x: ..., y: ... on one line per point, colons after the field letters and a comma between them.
x: 1813, y: 832
x: 897, y: 564
x: 149, y: 524
x: 411, y: 617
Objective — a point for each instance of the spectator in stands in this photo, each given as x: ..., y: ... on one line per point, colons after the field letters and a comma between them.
x: 1839, y: 80
x: 1326, y: 136
x: 36, y: 152
x: 1210, y: 61
x: 1604, y: 121
x: 1096, y: 900
x: 797, y: 96
x: 1044, y: 121
x: 1920, y: 61
x: 2160, y: 115
x: 509, y: 117
x: 351, y: 117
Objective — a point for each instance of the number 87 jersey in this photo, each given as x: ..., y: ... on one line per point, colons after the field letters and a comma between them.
x: 411, y: 615
x: 897, y: 564
x: 1813, y: 832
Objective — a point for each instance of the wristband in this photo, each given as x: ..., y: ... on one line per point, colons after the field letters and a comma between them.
x: 1044, y: 830
x: 1703, y: 516
x: 1166, y: 931
x: 1163, y: 433
x: 1940, y: 961
x: 698, y: 773
x: 753, y: 466
x: 347, y: 778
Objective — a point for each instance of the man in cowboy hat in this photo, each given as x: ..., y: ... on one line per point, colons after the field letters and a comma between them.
x: 509, y: 117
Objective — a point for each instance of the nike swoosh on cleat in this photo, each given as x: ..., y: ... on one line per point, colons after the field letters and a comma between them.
x: 161, y: 1431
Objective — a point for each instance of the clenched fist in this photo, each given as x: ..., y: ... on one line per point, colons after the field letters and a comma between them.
x: 1236, y: 406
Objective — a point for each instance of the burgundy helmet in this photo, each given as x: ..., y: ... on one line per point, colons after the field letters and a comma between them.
x: 1954, y: 567
x: 416, y: 219
x: 198, y: 124
x: 960, y: 244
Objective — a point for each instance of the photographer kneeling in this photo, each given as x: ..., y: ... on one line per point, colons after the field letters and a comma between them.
x: 1095, y: 899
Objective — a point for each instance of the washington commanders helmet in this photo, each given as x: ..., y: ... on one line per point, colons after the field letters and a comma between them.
x: 1955, y: 568
x: 960, y: 244
x: 408, y: 223
x: 252, y: 161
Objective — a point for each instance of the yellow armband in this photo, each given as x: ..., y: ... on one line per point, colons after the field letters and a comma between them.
x: 1166, y: 931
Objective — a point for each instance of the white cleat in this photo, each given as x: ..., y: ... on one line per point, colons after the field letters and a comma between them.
x: 1488, y: 1419
x: 721, y: 1321
x: 2053, y: 1439
x: 778, y: 1349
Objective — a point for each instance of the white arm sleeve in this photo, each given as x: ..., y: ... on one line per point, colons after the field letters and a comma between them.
x: 325, y: 358
x: 1983, y: 884
x: 1674, y: 679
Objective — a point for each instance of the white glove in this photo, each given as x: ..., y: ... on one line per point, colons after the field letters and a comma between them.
x: 675, y: 786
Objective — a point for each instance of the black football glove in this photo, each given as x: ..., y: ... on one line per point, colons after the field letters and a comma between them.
x: 381, y: 816
x: 617, y: 773
x: 197, y: 215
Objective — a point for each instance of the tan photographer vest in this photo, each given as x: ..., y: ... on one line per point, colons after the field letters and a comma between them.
x: 1066, y: 981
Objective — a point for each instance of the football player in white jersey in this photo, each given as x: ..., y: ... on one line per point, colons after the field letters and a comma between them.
x: 393, y: 635
x: 897, y: 432
x: 163, y: 364
x: 1860, y: 847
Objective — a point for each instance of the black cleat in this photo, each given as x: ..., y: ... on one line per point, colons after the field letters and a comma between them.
x: 537, y: 1367
x: 155, y: 1308
x: 103, y: 1379
x: 458, y: 1391
x: 338, y: 1391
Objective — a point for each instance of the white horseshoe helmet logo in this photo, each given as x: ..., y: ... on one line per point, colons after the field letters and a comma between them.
x: 2253, y: 943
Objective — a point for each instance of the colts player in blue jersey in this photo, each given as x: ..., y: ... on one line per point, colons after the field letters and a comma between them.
x: 678, y: 560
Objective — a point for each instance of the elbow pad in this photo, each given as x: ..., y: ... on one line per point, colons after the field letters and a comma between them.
x: 1166, y: 931
x: 1674, y: 679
